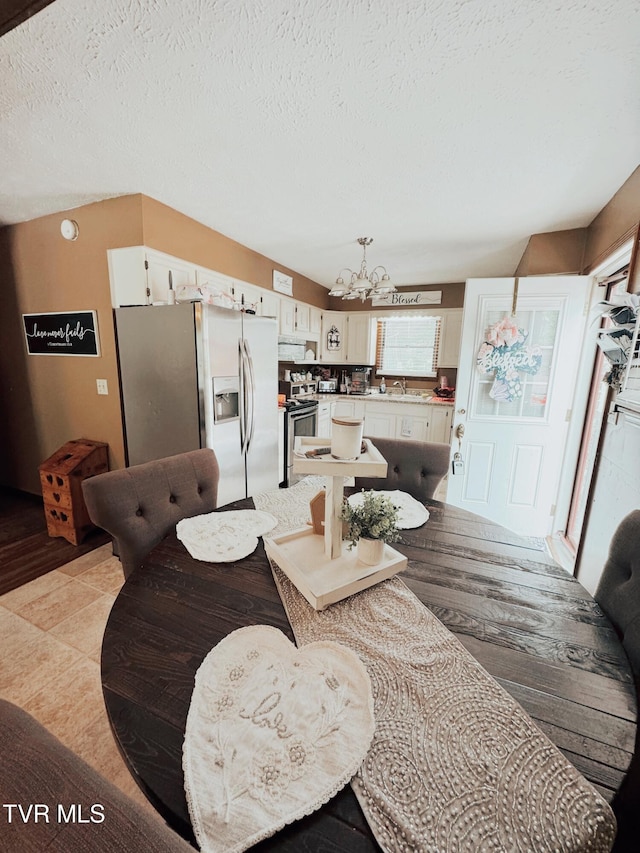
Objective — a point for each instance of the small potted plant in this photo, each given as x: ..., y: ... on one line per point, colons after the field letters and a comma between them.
x: 369, y: 524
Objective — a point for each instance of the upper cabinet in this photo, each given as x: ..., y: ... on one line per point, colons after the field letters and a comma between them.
x: 299, y: 319
x: 302, y: 313
x: 287, y: 316
x: 141, y: 276
x: 315, y: 323
x: 347, y: 338
x: 449, y: 350
x: 165, y: 273
x: 360, y: 342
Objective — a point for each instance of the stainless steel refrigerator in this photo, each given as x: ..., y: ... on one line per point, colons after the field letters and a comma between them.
x: 195, y: 375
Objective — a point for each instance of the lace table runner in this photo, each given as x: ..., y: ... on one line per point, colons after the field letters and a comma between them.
x: 455, y: 763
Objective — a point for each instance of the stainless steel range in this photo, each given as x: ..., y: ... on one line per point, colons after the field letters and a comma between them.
x: 301, y: 418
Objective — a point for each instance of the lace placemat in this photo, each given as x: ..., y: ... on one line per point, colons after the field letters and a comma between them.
x: 272, y: 733
x: 411, y: 513
x: 226, y: 536
x: 455, y: 764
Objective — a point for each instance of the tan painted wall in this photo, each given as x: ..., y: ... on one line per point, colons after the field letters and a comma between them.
x: 172, y: 232
x: 617, y: 219
x: 581, y: 249
x: 554, y: 252
x: 48, y: 400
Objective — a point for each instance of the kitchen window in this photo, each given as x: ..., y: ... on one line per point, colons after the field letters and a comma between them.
x: 408, y: 346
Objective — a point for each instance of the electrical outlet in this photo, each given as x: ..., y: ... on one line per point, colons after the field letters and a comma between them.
x: 102, y: 386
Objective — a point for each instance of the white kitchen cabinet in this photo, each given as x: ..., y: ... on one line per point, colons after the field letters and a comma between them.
x: 440, y: 426
x: 269, y: 303
x: 302, y: 318
x: 287, y: 316
x: 127, y: 276
x: 380, y: 419
x: 333, y: 342
x: 353, y: 408
x: 323, y: 428
x: 413, y: 425
x: 450, y: 330
x: 246, y: 295
x: 359, y: 338
x: 140, y: 276
x: 315, y: 323
x: 160, y: 269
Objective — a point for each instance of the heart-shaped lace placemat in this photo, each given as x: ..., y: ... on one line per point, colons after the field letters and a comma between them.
x: 272, y: 734
x: 223, y: 537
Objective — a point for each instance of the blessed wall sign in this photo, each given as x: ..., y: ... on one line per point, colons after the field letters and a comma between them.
x: 408, y: 298
x: 62, y: 333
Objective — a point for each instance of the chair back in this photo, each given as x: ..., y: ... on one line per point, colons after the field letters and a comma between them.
x: 415, y: 467
x: 140, y: 504
x: 618, y: 592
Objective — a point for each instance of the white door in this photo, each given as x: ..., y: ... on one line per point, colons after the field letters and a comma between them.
x: 514, y: 393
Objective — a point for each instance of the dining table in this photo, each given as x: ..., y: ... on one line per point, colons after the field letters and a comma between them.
x: 523, y: 618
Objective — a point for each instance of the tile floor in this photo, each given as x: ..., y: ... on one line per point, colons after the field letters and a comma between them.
x: 50, y: 634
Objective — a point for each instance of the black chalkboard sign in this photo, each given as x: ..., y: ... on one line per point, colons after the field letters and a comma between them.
x: 62, y: 333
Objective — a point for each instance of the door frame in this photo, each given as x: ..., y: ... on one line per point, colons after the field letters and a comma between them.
x: 562, y: 552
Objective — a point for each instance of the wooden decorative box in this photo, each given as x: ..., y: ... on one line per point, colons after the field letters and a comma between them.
x: 61, y: 477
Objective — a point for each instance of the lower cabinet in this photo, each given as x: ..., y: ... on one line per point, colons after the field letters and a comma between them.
x: 440, y: 429
x: 323, y: 429
x: 379, y: 424
x: 413, y: 427
x: 416, y: 422
x: 420, y: 422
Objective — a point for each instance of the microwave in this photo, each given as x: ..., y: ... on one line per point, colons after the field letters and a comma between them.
x: 327, y: 386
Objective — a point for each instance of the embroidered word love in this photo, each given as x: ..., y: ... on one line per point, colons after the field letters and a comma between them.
x: 260, y: 715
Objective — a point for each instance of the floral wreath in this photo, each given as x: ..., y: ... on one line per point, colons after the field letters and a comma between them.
x: 504, y: 352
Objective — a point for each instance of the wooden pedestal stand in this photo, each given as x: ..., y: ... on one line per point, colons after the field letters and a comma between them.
x: 323, y: 568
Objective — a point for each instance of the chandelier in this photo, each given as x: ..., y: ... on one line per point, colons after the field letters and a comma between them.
x: 363, y: 284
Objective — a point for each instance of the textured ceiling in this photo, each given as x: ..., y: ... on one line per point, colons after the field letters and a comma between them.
x: 448, y: 130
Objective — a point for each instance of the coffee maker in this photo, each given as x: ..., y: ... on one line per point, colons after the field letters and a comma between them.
x: 360, y: 380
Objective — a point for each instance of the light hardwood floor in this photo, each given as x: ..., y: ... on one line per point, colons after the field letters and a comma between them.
x: 50, y: 635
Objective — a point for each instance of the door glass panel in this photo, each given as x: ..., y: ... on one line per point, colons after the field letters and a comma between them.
x: 513, y: 381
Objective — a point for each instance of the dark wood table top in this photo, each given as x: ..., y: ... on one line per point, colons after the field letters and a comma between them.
x: 529, y: 623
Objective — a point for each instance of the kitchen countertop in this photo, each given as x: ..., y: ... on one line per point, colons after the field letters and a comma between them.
x: 430, y: 399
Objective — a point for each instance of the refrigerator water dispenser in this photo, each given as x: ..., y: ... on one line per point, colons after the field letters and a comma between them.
x: 225, y: 398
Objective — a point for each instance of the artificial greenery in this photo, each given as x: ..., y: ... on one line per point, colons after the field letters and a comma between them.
x: 375, y: 518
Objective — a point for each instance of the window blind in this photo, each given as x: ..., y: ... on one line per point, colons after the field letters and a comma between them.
x: 408, y: 346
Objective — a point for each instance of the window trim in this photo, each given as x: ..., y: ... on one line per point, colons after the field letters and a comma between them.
x: 406, y: 315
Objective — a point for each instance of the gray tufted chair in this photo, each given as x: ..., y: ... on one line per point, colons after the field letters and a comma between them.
x: 139, y: 505
x: 415, y: 467
x: 35, y: 767
x: 618, y: 594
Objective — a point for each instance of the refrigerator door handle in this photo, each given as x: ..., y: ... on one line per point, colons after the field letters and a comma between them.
x: 252, y: 394
x: 243, y: 398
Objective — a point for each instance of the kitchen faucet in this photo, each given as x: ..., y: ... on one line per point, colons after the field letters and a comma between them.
x: 403, y: 385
